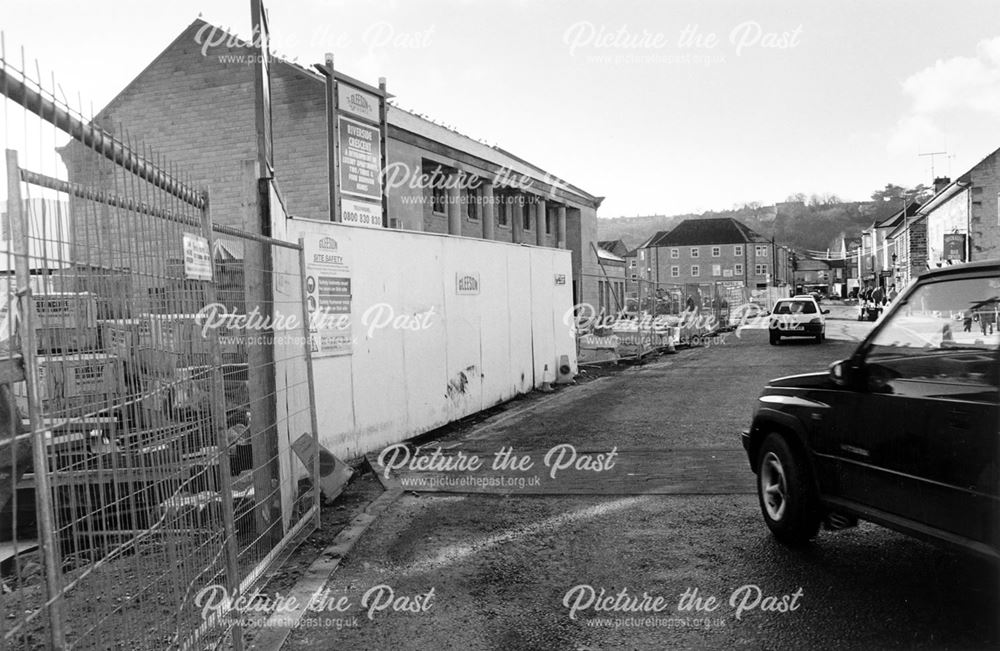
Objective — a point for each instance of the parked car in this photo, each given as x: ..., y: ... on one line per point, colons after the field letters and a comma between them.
x: 903, y: 433
x: 798, y: 316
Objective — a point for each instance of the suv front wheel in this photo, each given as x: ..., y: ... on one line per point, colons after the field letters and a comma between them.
x: 786, y: 492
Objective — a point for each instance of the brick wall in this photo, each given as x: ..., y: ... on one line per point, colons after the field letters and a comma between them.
x: 581, y: 230
x: 190, y: 114
x: 727, y: 259
x: 434, y: 222
x: 918, y: 246
x: 471, y: 227
x: 407, y: 204
x: 298, y: 116
x: 950, y: 217
x: 195, y: 112
x: 984, y: 219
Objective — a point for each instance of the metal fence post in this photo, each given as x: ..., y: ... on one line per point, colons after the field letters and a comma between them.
x: 43, y: 492
x: 309, y: 378
x: 258, y: 270
x: 219, y: 424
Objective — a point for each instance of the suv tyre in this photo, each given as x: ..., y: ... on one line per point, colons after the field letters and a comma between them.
x: 786, y: 492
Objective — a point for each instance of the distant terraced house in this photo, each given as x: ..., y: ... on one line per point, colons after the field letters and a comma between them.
x: 699, y: 251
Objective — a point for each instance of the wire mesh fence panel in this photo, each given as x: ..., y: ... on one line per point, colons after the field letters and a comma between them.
x: 159, y: 451
x: 263, y: 338
x: 623, y: 325
x: 630, y: 321
x: 22, y: 585
x: 124, y: 404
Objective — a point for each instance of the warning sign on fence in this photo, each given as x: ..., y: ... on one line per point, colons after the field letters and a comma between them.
x: 197, y: 258
x: 328, y: 297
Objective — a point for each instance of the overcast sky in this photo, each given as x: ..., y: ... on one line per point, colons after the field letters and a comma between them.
x: 763, y: 99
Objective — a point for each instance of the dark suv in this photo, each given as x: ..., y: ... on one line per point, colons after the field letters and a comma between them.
x: 904, y: 433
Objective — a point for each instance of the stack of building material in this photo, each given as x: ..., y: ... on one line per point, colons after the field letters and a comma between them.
x: 76, y: 377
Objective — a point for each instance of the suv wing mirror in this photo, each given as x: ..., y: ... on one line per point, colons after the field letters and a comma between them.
x: 842, y: 372
x: 826, y: 311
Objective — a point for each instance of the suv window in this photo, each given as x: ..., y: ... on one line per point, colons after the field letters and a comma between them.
x: 944, y: 330
x: 795, y: 307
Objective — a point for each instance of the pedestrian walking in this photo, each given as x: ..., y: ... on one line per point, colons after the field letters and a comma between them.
x: 987, y: 319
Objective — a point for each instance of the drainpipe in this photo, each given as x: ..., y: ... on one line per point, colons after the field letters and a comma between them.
x: 968, y: 224
x: 774, y: 262
x: 746, y: 270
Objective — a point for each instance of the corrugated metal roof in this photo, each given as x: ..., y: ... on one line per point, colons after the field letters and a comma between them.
x: 608, y: 255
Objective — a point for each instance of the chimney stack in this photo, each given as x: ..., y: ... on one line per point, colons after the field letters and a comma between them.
x: 940, y: 183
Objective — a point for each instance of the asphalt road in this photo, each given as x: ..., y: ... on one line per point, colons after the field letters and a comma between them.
x: 516, y: 571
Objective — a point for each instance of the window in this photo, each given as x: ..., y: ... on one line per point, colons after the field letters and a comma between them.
x: 694, y: 251
x: 675, y: 253
x: 526, y: 214
x: 760, y: 269
x: 631, y: 263
x: 738, y: 249
x: 716, y: 269
x: 795, y: 307
x: 548, y: 222
x: 472, y: 199
x: 438, y: 178
x: 439, y: 197
x: 738, y: 270
x: 502, y: 210
x: 695, y: 271
x: 940, y: 334
x: 761, y: 250
x: 716, y: 251
x: 675, y: 271
x: 635, y: 276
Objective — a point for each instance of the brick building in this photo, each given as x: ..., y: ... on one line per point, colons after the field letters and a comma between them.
x: 893, y: 249
x: 632, y: 273
x: 903, y: 251
x: 716, y: 250
x: 963, y: 217
x: 194, y: 105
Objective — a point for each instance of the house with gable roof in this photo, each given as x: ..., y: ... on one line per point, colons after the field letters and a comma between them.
x: 719, y: 249
x: 194, y: 104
